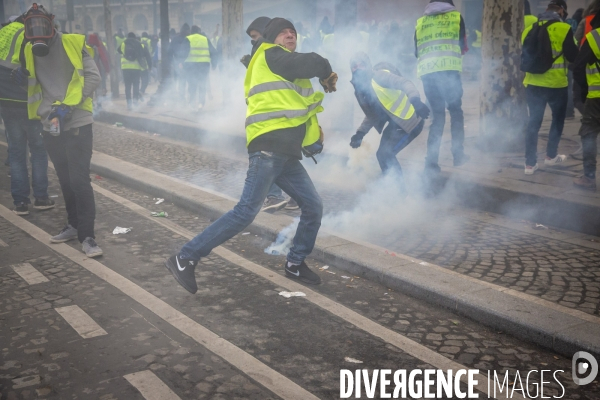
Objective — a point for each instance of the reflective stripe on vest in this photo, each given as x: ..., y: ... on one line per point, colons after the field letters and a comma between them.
x: 11, y: 38
x: 199, y: 51
x: 438, y: 43
x: 127, y: 64
x: 397, y: 106
x: 275, y: 103
x: 73, y: 45
x: 556, y: 76
x: 592, y: 70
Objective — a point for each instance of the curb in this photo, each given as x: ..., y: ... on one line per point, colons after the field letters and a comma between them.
x: 563, y: 330
x: 565, y: 208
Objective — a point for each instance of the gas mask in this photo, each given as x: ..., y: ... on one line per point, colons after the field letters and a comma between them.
x: 39, y: 29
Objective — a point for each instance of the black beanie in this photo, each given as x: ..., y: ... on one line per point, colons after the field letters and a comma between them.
x: 560, y: 3
x: 274, y: 28
x: 258, y: 25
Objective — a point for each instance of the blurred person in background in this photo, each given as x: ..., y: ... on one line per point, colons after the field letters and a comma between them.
x: 145, y: 75
x: 178, y: 50
x: 132, y: 60
x: 196, y: 67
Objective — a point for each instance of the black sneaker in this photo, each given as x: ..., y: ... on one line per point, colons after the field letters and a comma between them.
x: 292, y: 205
x: 183, y: 271
x: 273, y: 204
x: 21, y: 209
x: 43, y: 204
x: 302, y: 273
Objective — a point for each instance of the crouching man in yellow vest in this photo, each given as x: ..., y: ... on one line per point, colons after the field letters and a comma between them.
x: 281, y: 125
x: 392, y: 105
x: 61, y: 78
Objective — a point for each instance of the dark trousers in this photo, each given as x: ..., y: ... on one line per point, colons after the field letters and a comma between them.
x: 444, y: 89
x: 537, y: 98
x: 590, y: 127
x: 196, y: 75
x: 393, y: 140
x: 145, y: 79
x: 71, y: 153
x: 131, y: 77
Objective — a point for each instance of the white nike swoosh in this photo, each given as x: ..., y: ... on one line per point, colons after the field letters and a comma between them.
x: 297, y: 273
x: 178, y: 266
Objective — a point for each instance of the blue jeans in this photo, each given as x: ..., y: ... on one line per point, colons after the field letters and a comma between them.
x: 444, y: 89
x: 20, y: 132
x: 393, y: 140
x: 265, y: 169
x: 537, y: 98
x: 275, y: 192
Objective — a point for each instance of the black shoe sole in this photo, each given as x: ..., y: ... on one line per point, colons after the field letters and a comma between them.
x: 171, y: 269
x: 301, y: 279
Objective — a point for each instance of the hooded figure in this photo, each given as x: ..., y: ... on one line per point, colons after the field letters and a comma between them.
x: 255, y: 31
x: 386, y: 98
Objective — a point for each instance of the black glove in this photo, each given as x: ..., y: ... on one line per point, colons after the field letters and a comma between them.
x: 60, y: 111
x: 421, y: 108
x: 356, y: 140
x: 246, y: 60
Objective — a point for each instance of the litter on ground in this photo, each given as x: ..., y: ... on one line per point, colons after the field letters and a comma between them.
x: 352, y: 360
x: 287, y: 295
x: 159, y: 200
x: 119, y: 230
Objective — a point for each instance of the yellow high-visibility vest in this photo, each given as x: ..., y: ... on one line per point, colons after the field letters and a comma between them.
x: 199, y: 51
x: 127, y: 64
x: 397, y: 106
x: 74, y: 45
x: 555, y: 77
x: 11, y: 39
x: 592, y: 71
x: 438, y: 43
x: 276, y: 103
x: 530, y: 20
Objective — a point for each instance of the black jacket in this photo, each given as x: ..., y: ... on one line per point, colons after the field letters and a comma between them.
x: 290, y: 66
x: 10, y: 91
x: 586, y: 56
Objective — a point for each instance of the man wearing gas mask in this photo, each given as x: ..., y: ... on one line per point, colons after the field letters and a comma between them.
x: 61, y: 77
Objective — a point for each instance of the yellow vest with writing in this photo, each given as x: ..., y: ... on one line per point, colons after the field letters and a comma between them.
x: 11, y: 38
x: 397, y: 106
x: 74, y: 45
x: 555, y: 77
x: 275, y: 103
x: 438, y: 43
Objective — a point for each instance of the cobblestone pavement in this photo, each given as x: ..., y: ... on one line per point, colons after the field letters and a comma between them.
x: 42, y: 356
x: 434, y: 230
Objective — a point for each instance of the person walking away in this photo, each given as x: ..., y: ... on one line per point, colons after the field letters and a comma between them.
x: 439, y: 67
x: 133, y: 53
x: 61, y: 78
x: 586, y: 73
x: 196, y: 67
x: 550, y: 87
x: 147, y: 65
x: 281, y: 125
x: 21, y: 132
x: 178, y: 50
x: 392, y: 105
x: 102, y: 62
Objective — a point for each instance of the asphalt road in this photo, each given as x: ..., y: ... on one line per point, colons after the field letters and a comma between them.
x: 120, y: 327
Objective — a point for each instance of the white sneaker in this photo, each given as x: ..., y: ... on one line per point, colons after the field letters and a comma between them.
x: 530, y: 170
x: 559, y: 159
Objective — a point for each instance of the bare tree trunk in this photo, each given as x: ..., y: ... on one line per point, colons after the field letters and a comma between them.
x: 503, y: 112
x: 233, y: 30
x: 124, y: 14
x: 83, y: 14
x: 112, y: 52
x: 181, y: 13
x: 164, y: 40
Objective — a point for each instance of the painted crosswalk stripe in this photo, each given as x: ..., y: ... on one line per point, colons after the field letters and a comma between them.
x: 81, y: 322
x: 3, y: 243
x: 150, y: 386
x: 31, y: 275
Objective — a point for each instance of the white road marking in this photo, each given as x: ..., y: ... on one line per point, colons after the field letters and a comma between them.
x: 31, y: 275
x: 3, y: 243
x: 252, y: 367
x: 81, y: 322
x: 408, y: 346
x: 150, y: 386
